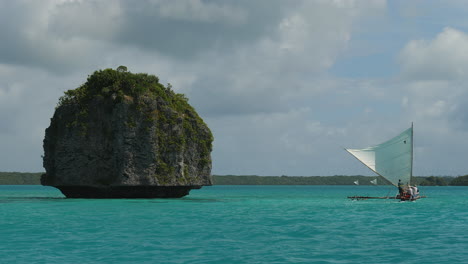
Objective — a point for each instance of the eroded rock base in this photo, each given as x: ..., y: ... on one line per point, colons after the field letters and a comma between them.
x: 126, y: 191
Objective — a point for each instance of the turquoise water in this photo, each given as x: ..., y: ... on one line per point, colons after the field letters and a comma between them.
x: 235, y: 224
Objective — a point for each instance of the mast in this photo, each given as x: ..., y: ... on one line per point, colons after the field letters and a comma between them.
x: 412, y: 146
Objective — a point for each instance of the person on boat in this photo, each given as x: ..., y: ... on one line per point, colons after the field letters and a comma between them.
x: 410, y: 192
x: 400, y: 188
x: 415, y: 192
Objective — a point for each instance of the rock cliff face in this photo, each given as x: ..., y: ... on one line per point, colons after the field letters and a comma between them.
x: 125, y: 135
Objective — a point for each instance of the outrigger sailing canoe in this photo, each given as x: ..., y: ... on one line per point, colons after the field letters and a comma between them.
x: 393, y: 160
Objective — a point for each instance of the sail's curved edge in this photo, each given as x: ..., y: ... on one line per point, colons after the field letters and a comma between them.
x: 391, y: 159
x: 351, y: 151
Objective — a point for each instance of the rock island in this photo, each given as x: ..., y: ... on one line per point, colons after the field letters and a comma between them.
x: 125, y: 135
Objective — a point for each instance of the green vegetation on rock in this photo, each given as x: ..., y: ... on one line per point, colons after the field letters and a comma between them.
x: 143, y: 133
x: 122, y: 85
x: 134, y: 88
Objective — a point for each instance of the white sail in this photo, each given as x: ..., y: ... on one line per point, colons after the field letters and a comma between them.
x: 374, y: 182
x: 356, y: 182
x: 392, y: 159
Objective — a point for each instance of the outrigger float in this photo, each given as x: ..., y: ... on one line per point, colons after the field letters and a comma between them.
x: 393, y: 161
x: 385, y: 197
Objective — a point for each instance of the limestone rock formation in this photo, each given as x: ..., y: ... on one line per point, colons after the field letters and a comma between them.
x: 126, y: 135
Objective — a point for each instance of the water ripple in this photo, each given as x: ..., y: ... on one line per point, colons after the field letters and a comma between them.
x: 243, y: 224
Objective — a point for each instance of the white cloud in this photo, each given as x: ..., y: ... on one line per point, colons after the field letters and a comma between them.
x: 290, y: 64
x: 437, y: 103
x: 92, y: 19
x: 290, y: 143
x: 434, y: 79
x: 28, y: 97
x: 257, y: 71
x: 55, y: 35
x: 444, y: 57
x: 196, y: 10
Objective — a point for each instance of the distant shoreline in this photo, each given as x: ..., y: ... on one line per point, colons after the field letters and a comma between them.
x: 322, y: 180
x: 29, y: 178
x: 20, y: 178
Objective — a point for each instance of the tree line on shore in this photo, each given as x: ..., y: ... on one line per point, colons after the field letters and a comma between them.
x: 20, y: 178
x: 332, y: 180
x: 23, y: 178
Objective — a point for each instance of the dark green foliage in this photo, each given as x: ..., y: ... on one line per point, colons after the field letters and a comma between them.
x: 294, y: 180
x: 117, y: 84
x: 122, y: 68
x: 34, y: 178
x: 120, y: 85
x: 433, y: 181
x: 319, y: 180
x: 20, y: 178
x: 460, y: 181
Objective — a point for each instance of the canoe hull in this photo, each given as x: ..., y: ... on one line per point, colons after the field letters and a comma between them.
x: 385, y: 197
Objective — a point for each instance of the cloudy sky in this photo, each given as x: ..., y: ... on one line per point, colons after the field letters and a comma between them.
x: 283, y: 85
